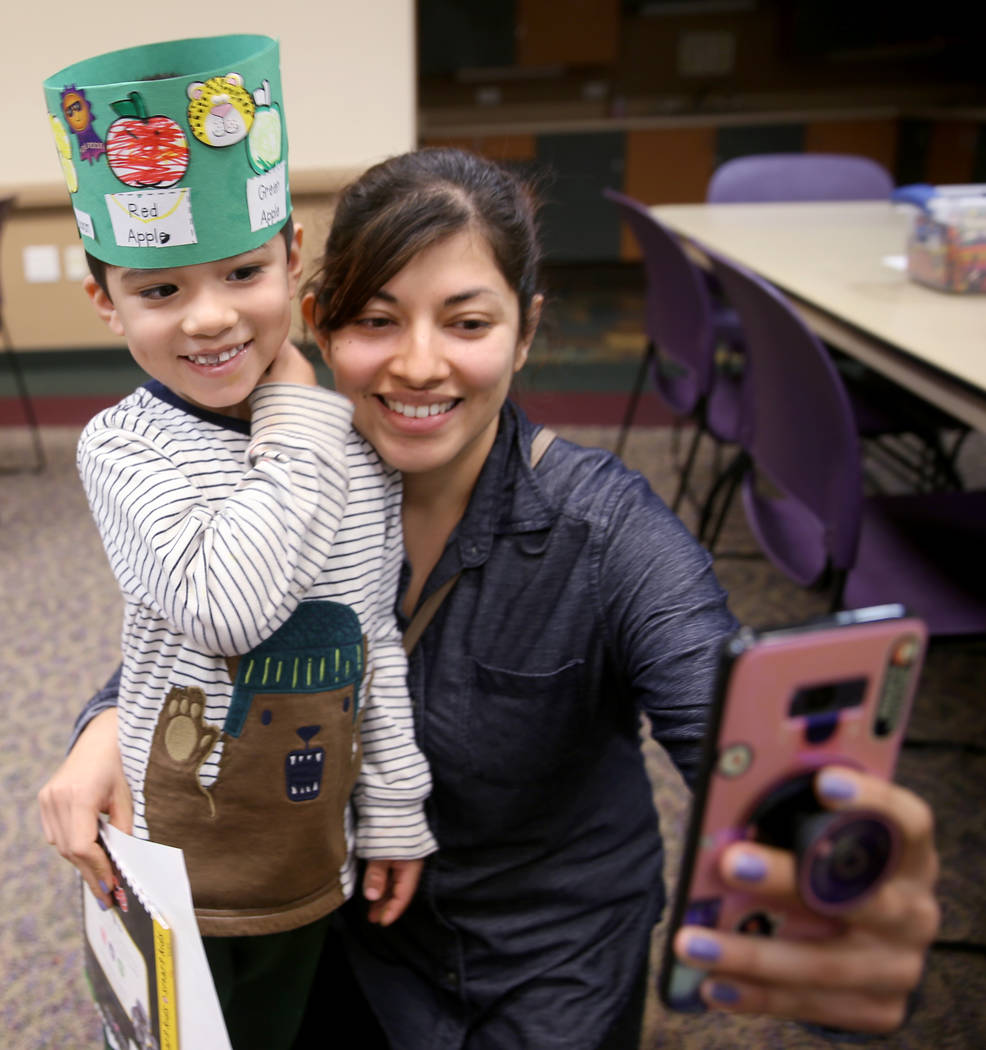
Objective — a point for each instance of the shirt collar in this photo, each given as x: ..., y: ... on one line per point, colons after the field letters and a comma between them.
x: 507, y: 497
x: 166, y: 394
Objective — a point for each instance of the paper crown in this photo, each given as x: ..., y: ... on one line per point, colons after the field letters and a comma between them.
x: 174, y: 153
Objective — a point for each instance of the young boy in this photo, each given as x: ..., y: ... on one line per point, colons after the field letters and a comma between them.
x: 255, y: 535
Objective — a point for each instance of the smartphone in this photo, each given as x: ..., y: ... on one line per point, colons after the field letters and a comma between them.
x: 836, y: 691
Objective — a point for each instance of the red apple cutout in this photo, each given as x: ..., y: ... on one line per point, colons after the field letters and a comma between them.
x: 142, y: 150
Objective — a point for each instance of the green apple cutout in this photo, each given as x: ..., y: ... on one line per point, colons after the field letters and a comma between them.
x: 264, y: 139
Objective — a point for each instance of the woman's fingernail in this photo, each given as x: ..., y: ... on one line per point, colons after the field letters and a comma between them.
x: 703, y: 949
x: 103, y: 886
x: 724, y: 993
x: 103, y: 906
x: 749, y: 867
x: 836, y: 787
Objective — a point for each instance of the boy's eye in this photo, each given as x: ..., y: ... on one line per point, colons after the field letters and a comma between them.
x: 244, y: 273
x: 158, y: 291
x: 373, y: 322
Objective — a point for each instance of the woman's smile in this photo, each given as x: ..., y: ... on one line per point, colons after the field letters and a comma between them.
x: 412, y: 410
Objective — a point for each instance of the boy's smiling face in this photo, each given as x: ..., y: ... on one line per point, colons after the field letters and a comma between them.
x: 209, y: 331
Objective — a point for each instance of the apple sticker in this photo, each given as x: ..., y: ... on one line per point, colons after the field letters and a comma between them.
x: 64, y: 148
x: 264, y: 140
x: 145, y: 150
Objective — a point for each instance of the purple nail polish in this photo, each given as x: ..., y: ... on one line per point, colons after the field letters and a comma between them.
x: 749, y: 867
x: 835, y: 787
x: 724, y: 993
x: 703, y: 949
x: 103, y: 886
x: 102, y: 906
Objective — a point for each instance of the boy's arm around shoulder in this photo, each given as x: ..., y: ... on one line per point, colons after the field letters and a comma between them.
x: 224, y: 571
x: 394, y: 781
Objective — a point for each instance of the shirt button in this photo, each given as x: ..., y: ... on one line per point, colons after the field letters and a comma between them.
x: 451, y: 977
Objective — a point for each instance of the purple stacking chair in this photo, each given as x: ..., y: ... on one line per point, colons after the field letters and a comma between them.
x: 802, y: 488
x: 799, y: 177
x: 915, y: 442
x: 683, y: 334
x: 6, y: 204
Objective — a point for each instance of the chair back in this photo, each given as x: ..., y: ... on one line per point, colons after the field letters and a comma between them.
x: 678, y: 309
x: 799, y: 177
x: 798, y: 427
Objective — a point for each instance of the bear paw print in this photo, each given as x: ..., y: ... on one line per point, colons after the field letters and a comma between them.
x: 187, y: 739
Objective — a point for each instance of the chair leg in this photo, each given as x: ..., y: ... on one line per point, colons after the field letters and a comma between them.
x: 686, y: 468
x: 728, y: 479
x: 727, y: 501
x: 638, y: 385
x: 944, y: 459
x: 26, y: 402
x: 838, y: 586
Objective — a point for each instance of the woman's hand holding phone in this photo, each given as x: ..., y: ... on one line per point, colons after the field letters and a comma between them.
x: 861, y: 977
x: 807, y: 885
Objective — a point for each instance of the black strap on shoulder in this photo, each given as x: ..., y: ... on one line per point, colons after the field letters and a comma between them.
x: 427, y: 609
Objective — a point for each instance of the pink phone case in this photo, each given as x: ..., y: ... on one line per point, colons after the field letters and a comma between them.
x: 836, y: 691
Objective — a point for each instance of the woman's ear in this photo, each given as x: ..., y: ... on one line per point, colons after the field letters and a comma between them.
x: 308, y: 312
x: 102, y: 304
x: 533, y: 320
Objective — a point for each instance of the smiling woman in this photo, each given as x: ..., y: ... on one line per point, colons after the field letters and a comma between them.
x: 580, y: 600
x: 429, y: 359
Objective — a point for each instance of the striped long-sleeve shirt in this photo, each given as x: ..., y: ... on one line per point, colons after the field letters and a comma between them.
x: 259, y: 564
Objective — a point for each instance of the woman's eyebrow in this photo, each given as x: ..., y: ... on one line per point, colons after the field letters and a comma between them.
x: 452, y: 300
x: 471, y: 293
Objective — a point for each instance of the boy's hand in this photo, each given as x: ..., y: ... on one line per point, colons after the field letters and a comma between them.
x: 290, y: 366
x: 389, y: 885
x: 90, y: 781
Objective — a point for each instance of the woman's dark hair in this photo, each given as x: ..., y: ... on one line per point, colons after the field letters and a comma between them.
x: 98, y: 268
x: 409, y: 202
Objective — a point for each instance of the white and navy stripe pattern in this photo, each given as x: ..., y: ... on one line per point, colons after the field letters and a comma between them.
x: 216, y: 530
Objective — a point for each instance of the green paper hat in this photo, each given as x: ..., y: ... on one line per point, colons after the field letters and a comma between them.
x: 174, y: 153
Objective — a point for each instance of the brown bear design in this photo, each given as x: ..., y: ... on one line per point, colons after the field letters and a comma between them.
x: 270, y: 831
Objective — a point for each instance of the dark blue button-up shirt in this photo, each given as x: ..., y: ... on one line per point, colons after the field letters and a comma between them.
x: 582, y: 602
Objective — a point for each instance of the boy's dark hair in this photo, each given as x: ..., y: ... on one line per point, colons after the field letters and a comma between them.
x: 409, y: 202
x: 98, y: 268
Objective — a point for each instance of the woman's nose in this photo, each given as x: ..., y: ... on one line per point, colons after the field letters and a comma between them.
x: 209, y: 313
x: 420, y: 360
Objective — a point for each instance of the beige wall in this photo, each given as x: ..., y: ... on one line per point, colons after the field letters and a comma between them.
x: 348, y: 73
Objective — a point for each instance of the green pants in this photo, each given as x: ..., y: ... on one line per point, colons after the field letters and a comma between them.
x: 263, y: 983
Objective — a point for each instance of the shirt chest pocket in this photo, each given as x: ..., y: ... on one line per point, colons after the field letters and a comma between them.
x: 524, y: 727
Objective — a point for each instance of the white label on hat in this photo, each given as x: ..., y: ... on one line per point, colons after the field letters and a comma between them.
x: 267, y: 198
x: 152, y: 218
x: 84, y: 221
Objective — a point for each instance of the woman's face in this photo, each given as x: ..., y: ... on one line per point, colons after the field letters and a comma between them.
x: 429, y: 360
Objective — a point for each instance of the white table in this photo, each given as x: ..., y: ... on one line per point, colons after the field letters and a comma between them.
x: 829, y: 259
